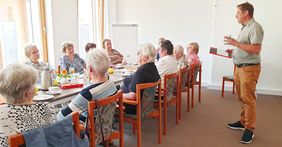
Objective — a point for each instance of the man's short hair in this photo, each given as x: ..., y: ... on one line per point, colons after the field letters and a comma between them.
x: 247, y: 7
x: 167, y: 45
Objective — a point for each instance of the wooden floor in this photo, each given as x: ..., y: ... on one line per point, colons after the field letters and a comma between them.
x: 205, y: 125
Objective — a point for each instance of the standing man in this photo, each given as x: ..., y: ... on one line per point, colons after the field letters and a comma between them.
x: 246, y: 57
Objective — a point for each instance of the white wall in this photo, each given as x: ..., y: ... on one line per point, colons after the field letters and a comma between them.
x: 180, y: 21
x: 62, y: 24
x: 183, y: 21
x: 267, y: 14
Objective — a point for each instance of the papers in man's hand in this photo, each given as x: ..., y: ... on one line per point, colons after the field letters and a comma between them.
x: 220, y: 52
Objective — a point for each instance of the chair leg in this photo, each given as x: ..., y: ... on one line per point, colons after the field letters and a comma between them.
x: 177, y: 110
x: 233, y: 90
x: 199, y: 94
x: 138, y: 124
x: 160, y: 126
x: 188, y: 99
x: 138, y: 133
x: 222, y: 89
x: 180, y: 103
x: 192, y: 96
x: 165, y: 115
x: 121, y: 125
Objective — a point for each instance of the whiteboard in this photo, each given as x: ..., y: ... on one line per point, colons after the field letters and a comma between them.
x: 125, y: 40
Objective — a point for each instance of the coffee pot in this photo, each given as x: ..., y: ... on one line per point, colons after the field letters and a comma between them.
x: 46, y: 80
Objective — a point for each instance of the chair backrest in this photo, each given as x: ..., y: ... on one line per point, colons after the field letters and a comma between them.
x: 17, y: 140
x: 183, y: 77
x: 194, y: 70
x: 171, y: 82
x: 145, y: 94
x: 106, y: 108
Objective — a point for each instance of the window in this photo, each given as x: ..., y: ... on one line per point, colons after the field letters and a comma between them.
x: 86, y: 19
x: 20, y: 23
x: 91, y: 22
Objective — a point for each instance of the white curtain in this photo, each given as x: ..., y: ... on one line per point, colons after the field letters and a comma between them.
x: 93, y: 22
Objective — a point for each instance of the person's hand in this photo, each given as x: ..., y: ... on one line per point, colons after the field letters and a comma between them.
x: 231, y: 41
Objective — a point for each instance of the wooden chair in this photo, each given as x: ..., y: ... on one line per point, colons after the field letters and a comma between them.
x: 171, y: 83
x: 194, y: 70
x: 107, y: 109
x: 17, y: 140
x: 183, y: 79
x: 228, y: 79
x: 145, y: 108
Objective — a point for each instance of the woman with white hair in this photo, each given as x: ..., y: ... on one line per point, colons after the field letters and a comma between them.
x: 20, y: 113
x: 180, y: 56
x: 71, y: 61
x: 147, y: 72
x: 32, y: 53
x: 97, y: 64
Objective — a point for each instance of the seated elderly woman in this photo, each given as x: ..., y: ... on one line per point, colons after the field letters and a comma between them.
x: 114, y: 55
x: 20, y: 113
x: 32, y: 53
x: 193, y: 49
x: 147, y: 72
x: 89, y: 46
x: 71, y: 61
x: 98, y: 63
x: 179, y: 55
x: 167, y: 63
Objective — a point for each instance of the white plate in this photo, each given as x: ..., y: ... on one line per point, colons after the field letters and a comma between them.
x: 42, y: 97
x: 125, y: 75
x: 55, y: 93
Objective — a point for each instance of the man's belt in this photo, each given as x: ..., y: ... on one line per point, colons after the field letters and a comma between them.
x: 246, y: 64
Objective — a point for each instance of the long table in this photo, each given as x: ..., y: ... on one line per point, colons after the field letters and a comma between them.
x: 68, y: 94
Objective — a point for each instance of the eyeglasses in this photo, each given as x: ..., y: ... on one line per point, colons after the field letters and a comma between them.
x: 35, y: 52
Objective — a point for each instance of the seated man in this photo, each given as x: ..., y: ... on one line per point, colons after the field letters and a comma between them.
x: 147, y: 72
x: 167, y: 63
x: 97, y: 62
x: 89, y: 46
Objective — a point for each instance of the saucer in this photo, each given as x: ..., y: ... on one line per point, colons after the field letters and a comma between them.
x: 42, y: 97
x: 54, y: 93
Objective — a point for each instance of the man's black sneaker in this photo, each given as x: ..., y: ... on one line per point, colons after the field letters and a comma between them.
x: 236, y: 126
x: 247, y: 137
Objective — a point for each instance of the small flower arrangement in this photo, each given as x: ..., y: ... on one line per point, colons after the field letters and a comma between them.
x: 63, y: 74
x: 64, y: 77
